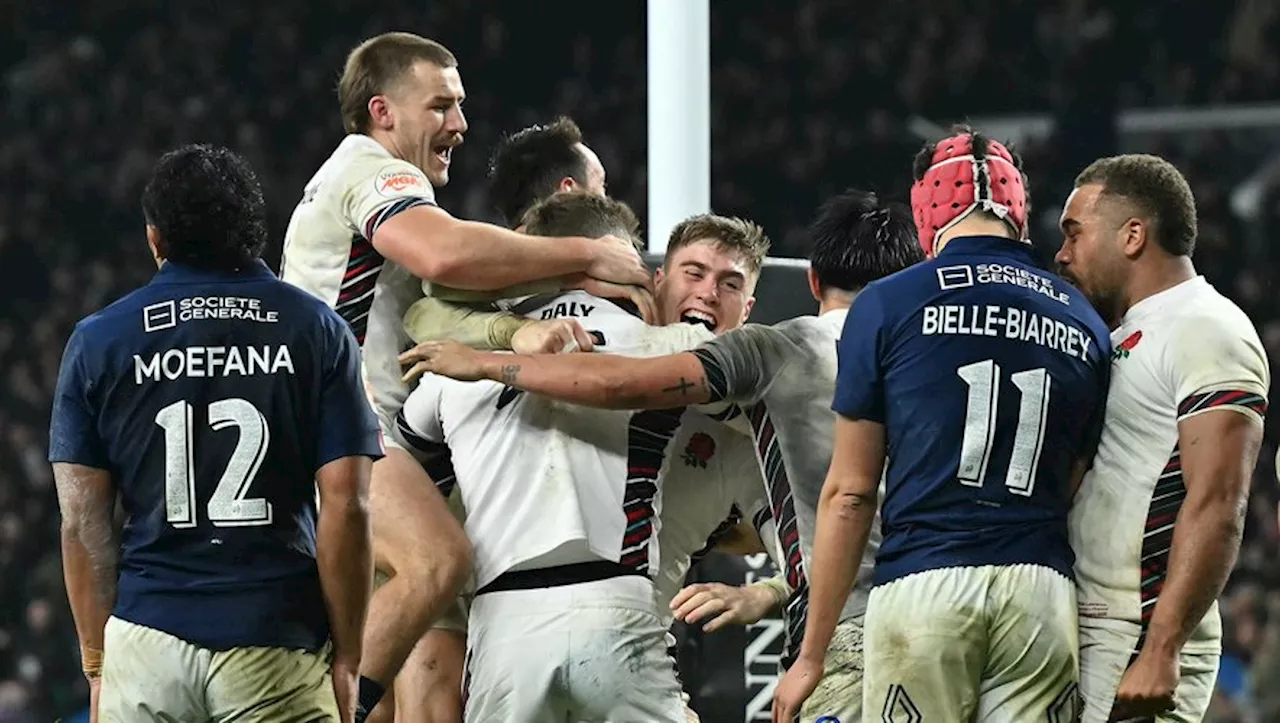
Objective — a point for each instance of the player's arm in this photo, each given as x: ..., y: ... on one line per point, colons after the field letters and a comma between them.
x: 90, y: 552
x: 1221, y: 384
x: 86, y: 500
x: 728, y: 368
x: 1219, y: 449
x: 850, y: 494
x: 435, y: 246
x: 347, y: 442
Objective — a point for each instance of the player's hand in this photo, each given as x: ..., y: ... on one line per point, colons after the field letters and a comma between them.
x: 446, y: 358
x: 346, y: 688
x: 1147, y: 687
x: 638, y: 295
x: 794, y: 689
x: 729, y: 604
x: 553, y: 336
x: 616, y: 260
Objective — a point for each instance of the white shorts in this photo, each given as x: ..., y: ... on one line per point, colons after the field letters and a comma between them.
x: 149, y: 675
x: 590, y: 652
x: 1106, y: 649
x: 992, y: 644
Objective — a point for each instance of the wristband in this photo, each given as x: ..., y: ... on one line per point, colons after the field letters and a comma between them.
x: 503, y: 327
x: 777, y: 587
x: 91, y: 662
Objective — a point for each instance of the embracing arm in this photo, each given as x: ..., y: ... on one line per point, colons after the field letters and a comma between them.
x: 1219, y: 449
x: 604, y: 380
x: 90, y: 553
x: 435, y: 246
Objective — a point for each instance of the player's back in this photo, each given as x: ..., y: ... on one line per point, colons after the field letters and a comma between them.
x: 210, y: 385
x: 994, y: 374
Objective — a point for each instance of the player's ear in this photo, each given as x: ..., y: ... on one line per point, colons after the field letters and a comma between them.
x: 567, y: 184
x: 658, y: 276
x: 155, y: 243
x: 1134, y: 237
x: 380, y: 113
x: 746, y: 309
x: 814, y: 287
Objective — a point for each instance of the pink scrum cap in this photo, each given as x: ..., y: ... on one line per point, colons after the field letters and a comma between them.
x: 960, y: 181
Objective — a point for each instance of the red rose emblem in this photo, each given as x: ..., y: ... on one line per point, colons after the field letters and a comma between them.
x: 699, y: 450
x: 1132, y: 341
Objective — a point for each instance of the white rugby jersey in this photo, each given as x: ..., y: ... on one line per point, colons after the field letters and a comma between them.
x: 711, y: 470
x: 328, y: 251
x: 1179, y: 353
x: 546, y: 483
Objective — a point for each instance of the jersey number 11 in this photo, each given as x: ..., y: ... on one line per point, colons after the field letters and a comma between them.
x: 228, y: 506
x: 983, y: 379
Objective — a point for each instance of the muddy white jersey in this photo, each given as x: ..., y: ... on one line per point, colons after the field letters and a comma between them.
x: 712, y: 476
x: 546, y: 483
x: 1183, y: 352
x: 328, y: 251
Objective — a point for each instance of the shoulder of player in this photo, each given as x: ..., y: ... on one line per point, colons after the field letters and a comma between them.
x: 1212, y: 320
x: 360, y: 160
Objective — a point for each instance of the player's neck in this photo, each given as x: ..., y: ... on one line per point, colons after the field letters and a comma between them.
x: 835, y: 300
x: 1161, y: 274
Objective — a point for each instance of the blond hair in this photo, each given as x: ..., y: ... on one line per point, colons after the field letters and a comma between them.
x: 728, y: 233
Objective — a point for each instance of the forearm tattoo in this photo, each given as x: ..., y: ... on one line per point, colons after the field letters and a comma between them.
x: 509, y: 373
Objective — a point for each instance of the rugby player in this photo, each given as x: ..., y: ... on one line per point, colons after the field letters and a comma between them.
x: 1157, y: 524
x: 563, y: 624
x: 215, y: 402
x: 707, y: 279
x: 365, y: 235
x: 981, y: 378
x: 781, y: 377
x: 528, y: 166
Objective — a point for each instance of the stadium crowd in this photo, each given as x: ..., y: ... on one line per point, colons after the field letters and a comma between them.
x: 805, y: 102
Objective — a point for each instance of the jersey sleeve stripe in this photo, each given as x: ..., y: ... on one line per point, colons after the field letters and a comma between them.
x: 716, y: 380
x: 400, y: 205
x: 439, y: 461
x: 1237, y: 399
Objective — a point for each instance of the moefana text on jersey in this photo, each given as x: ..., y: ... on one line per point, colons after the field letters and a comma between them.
x: 212, y: 361
x: 1011, y: 323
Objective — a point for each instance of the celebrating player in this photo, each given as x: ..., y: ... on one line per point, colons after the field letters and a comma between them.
x: 1157, y: 524
x: 782, y: 373
x: 982, y: 378
x: 366, y: 231
x: 215, y: 401
x: 535, y: 162
x: 565, y: 545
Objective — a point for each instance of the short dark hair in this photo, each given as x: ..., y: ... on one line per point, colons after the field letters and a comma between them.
x: 574, y: 213
x: 856, y: 239
x: 375, y: 65
x: 528, y: 165
x: 207, y: 205
x: 728, y: 233
x: 1156, y: 190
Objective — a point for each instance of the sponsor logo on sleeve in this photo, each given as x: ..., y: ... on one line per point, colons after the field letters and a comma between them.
x: 399, y: 180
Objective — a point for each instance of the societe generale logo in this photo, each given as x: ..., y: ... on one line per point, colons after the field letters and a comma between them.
x: 399, y: 182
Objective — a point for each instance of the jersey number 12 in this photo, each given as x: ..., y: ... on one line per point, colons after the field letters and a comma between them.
x: 983, y: 379
x: 228, y: 506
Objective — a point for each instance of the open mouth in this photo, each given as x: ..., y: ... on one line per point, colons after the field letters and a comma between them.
x: 693, y: 316
x: 442, y: 153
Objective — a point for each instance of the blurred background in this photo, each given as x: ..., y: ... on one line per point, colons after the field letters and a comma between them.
x: 808, y: 97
